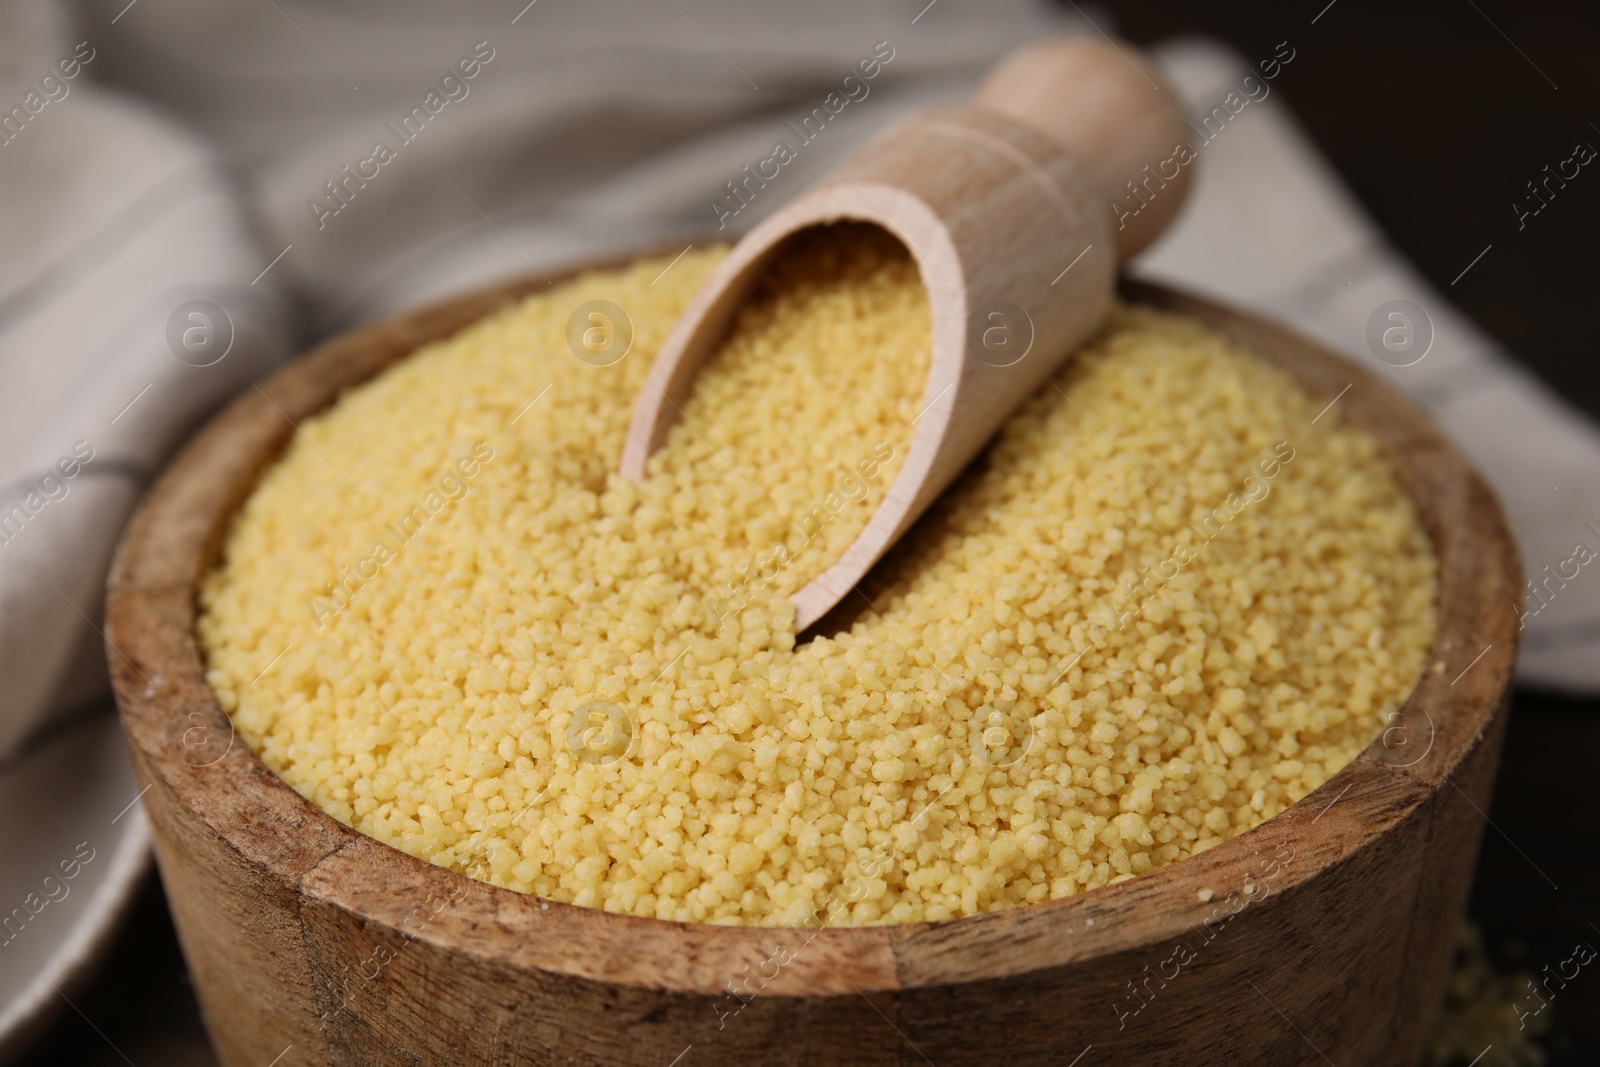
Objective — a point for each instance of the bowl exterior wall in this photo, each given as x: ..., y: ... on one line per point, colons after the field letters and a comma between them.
x: 1328, y: 931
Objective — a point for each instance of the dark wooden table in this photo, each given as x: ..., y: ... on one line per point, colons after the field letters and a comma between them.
x: 1437, y: 120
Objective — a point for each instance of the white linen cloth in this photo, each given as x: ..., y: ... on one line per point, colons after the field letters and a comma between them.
x: 183, y: 159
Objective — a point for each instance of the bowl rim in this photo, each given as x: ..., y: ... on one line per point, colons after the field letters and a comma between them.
x: 176, y: 728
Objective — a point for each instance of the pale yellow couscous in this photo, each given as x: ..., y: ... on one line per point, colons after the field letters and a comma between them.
x: 1168, y: 602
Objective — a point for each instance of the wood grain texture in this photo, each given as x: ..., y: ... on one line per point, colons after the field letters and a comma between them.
x: 310, y: 941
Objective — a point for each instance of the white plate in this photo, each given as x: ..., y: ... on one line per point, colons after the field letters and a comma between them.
x: 73, y: 797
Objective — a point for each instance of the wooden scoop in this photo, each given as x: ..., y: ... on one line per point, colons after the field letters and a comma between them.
x: 1009, y: 206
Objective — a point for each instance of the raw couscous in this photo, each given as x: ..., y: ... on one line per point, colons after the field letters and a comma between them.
x: 1163, y: 606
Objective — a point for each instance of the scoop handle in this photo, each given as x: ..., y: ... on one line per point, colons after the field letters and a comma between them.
x: 1012, y: 207
x: 1111, y: 109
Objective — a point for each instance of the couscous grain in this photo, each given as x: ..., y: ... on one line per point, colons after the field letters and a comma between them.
x: 1163, y: 606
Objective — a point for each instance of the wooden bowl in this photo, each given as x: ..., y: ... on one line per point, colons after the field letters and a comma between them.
x: 1327, y: 936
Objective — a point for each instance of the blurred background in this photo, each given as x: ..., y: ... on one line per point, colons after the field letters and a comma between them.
x: 595, y: 127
